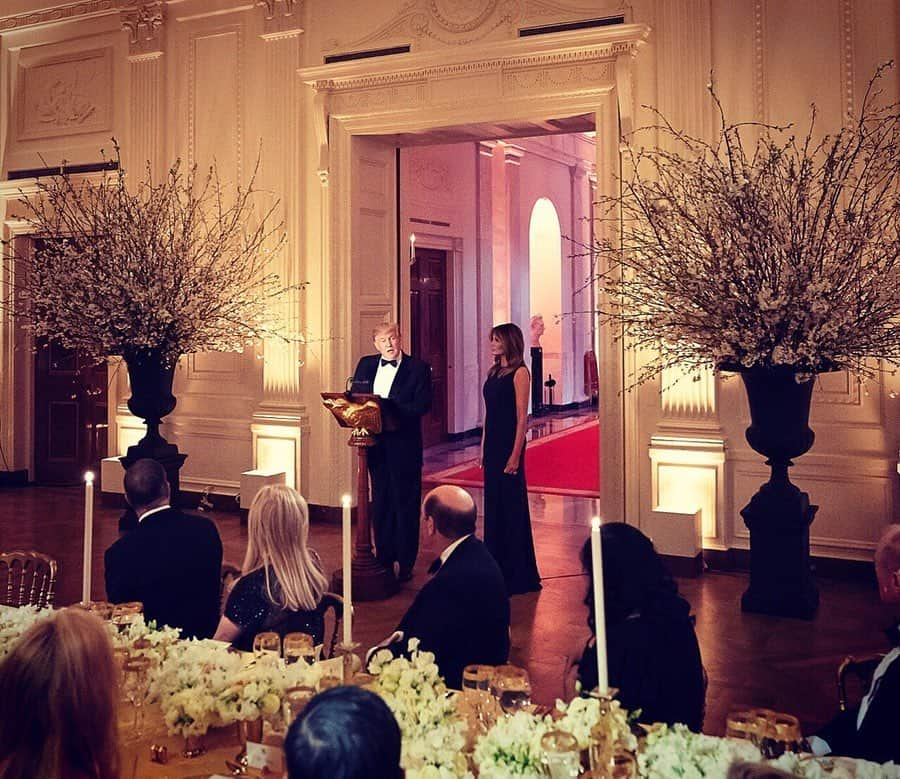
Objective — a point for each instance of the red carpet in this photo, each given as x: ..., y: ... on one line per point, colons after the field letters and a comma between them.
x: 564, y: 463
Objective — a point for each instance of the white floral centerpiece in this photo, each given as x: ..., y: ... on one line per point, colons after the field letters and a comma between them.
x: 835, y: 768
x: 162, y: 266
x: 580, y: 715
x: 144, y: 638
x: 782, y: 253
x: 255, y: 692
x: 14, y: 621
x: 512, y: 747
x: 434, y: 734
x: 678, y: 751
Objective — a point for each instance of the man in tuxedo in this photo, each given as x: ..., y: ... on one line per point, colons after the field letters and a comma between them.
x: 462, y: 613
x: 171, y: 561
x: 869, y: 731
x: 395, y: 462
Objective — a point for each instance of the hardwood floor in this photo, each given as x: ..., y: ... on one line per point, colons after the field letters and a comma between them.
x: 784, y: 664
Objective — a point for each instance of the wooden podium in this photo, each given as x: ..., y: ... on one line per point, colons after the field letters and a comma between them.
x: 363, y: 414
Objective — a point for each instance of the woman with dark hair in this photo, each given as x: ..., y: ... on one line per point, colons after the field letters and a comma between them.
x: 652, y: 652
x: 507, y: 522
x: 344, y: 733
x: 58, y: 701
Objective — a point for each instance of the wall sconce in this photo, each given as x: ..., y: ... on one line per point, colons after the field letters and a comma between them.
x: 412, y: 248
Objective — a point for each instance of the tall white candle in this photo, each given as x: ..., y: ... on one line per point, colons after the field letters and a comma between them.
x: 347, y: 548
x: 88, y: 536
x: 599, y: 606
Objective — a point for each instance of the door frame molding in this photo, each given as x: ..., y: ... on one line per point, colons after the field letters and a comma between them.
x: 532, y: 78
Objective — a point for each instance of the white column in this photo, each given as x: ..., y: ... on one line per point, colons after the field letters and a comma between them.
x: 280, y: 421
x: 484, y: 250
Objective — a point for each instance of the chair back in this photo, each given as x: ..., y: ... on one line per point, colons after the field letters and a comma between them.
x: 230, y: 574
x: 333, y: 603
x: 30, y: 579
x: 855, y: 676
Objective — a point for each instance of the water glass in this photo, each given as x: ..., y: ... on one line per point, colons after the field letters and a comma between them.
x: 297, y: 645
x: 296, y: 699
x: 123, y: 614
x: 267, y: 643
x: 561, y: 755
x: 136, y: 683
x: 741, y: 724
x: 476, y: 689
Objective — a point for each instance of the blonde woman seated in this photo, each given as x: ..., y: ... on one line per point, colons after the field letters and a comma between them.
x: 58, y: 702
x: 283, y: 583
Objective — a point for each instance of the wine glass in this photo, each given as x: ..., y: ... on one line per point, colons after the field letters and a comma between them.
x: 297, y: 699
x: 136, y: 682
x: 741, y: 723
x: 267, y: 643
x: 511, y: 687
x: 297, y: 645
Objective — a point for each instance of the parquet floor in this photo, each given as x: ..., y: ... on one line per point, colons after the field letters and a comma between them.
x: 785, y: 664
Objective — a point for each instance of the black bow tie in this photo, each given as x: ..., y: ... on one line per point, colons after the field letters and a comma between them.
x: 435, y: 566
x: 388, y: 362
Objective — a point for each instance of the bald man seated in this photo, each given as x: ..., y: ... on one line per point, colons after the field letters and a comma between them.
x: 870, y: 731
x: 462, y: 613
x: 171, y: 562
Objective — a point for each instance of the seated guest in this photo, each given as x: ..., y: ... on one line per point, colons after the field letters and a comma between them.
x: 283, y: 583
x: 58, y: 702
x: 869, y: 731
x: 344, y: 733
x: 653, y: 658
x: 462, y: 613
x: 171, y: 562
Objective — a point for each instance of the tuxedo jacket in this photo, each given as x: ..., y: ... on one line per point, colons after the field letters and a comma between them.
x: 172, y: 563
x: 877, y: 738
x: 461, y: 614
x: 409, y: 400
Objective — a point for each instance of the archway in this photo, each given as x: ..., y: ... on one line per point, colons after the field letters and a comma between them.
x: 545, y: 283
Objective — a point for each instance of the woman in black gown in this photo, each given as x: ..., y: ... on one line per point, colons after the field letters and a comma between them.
x: 283, y: 582
x: 507, y: 522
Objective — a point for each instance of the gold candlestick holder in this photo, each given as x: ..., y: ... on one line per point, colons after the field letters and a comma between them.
x: 350, y: 662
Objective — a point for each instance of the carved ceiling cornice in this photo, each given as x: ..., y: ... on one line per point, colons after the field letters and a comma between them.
x: 60, y: 13
x: 565, y: 49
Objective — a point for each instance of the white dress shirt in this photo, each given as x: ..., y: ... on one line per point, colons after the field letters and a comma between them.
x: 146, y: 514
x: 384, y: 377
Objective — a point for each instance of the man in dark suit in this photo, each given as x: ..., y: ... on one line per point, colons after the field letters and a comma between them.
x: 395, y: 462
x: 462, y: 613
x: 171, y: 562
x: 869, y: 731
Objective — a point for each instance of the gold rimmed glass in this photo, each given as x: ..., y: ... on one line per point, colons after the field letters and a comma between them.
x: 297, y: 646
x: 511, y: 687
x: 561, y: 755
x: 136, y: 684
x: 267, y: 643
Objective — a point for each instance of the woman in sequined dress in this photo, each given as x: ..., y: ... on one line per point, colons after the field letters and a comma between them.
x: 283, y: 582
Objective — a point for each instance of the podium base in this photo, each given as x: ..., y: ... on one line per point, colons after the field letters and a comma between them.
x: 371, y: 581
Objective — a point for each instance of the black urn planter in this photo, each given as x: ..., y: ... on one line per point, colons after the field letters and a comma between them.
x: 779, y: 514
x: 151, y: 400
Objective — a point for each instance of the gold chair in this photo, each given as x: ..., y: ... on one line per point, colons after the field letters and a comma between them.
x: 30, y: 578
x: 335, y: 604
x: 858, y: 669
x: 230, y: 574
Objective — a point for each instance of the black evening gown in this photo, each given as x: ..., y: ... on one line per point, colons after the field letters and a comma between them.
x: 507, y: 522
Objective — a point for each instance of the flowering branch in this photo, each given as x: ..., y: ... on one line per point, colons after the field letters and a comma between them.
x: 785, y: 253
x: 175, y: 266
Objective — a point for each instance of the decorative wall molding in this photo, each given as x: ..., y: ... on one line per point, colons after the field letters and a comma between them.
x: 760, y: 87
x: 68, y: 94
x: 143, y: 21
x: 60, y: 13
x: 847, y: 56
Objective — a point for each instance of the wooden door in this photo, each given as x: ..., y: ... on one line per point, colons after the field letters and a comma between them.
x: 70, y: 423
x: 428, y: 336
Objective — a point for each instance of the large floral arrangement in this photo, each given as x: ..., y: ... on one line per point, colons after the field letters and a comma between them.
x: 512, y: 748
x: 678, y: 751
x: 782, y: 252
x: 434, y: 734
x: 170, y: 266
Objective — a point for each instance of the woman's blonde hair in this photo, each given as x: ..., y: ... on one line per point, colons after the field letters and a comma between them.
x: 278, y: 527
x: 58, y: 701
x: 513, y: 349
